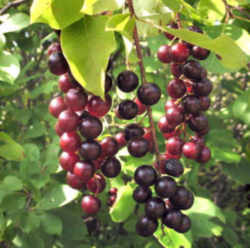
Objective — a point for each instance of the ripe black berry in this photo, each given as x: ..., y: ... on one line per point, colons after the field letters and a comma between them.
x: 90, y: 127
x: 183, y: 198
x: 165, y: 187
x: 138, y: 147
x: 203, y: 88
x: 145, y: 175
x: 198, y: 123
x: 133, y: 131
x: 193, y: 70
x: 155, y: 208
x: 90, y: 150
x: 176, y: 88
x: 173, y: 167
x: 57, y: 64
x: 142, y: 194
x: 108, y: 83
x: 111, y: 167
x: 127, y: 81
x: 185, y: 224
x: 127, y: 109
x: 172, y: 219
x: 191, y: 104
x: 149, y: 93
x: 146, y: 227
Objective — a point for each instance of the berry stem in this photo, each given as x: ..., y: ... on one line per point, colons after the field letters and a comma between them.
x: 143, y: 77
x: 178, y: 20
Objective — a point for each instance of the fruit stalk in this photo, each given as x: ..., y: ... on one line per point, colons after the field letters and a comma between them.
x: 143, y: 78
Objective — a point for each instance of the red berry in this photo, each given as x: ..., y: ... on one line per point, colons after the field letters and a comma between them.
x: 66, y: 82
x: 179, y: 53
x: 170, y: 104
x: 90, y: 204
x: 56, y: 106
x: 96, y: 184
x: 68, y: 120
x: 191, y: 150
x: 54, y: 48
x: 200, y: 53
x: 74, y: 181
x: 176, y: 69
x: 109, y: 146
x: 174, y: 146
x: 171, y: 25
x: 58, y: 130
x: 120, y: 139
x: 205, y: 155
x: 171, y: 134
x: 172, y: 156
x: 113, y: 191
x: 141, y: 107
x: 174, y: 116
x: 70, y: 142
x: 76, y: 99
x: 164, y: 54
x: 84, y: 170
x: 164, y: 126
x: 67, y: 160
x: 97, y: 107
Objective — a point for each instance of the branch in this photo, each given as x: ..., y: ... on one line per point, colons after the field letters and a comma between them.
x: 143, y: 77
x: 10, y: 5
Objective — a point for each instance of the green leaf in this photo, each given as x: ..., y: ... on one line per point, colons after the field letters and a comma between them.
x: 212, y: 9
x: 29, y: 221
x: 14, y: 202
x: 222, y: 45
x: 51, y: 224
x: 87, y: 47
x: 2, y: 42
x: 92, y: 7
x: 238, y: 172
x: 205, y: 228
x: 241, y: 107
x: 9, y: 185
x: 172, y: 239
x: 9, y: 149
x: 15, y: 23
x: 32, y: 152
x: 37, y: 129
x: 9, y: 67
x: 59, y: 196
x: 57, y: 13
x: 124, y: 205
x: 123, y: 24
x: 174, y: 5
x: 222, y: 149
x: 230, y: 236
x: 74, y: 227
x: 206, y: 207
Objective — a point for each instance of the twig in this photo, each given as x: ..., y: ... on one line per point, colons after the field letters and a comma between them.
x: 178, y: 20
x: 10, y: 5
x: 228, y: 11
x: 143, y: 77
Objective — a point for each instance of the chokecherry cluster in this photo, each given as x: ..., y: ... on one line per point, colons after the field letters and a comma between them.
x: 86, y: 159
x: 168, y: 203
x: 137, y: 138
x: 189, y: 90
x: 112, y: 197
